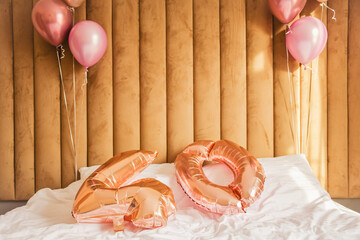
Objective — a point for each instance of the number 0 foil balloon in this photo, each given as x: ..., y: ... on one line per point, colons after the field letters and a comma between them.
x: 147, y: 202
x: 248, y: 173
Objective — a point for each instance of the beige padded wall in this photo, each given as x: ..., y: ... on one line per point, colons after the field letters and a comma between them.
x: 206, y: 70
x: 126, y: 87
x: 354, y: 98
x: 153, y: 77
x: 6, y: 104
x: 179, y: 74
x: 233, y: 70
x: 338, y: 100
x: 100, y: 89
x: 259, y: 35
x: 24, y: 99
x: 176, y: 71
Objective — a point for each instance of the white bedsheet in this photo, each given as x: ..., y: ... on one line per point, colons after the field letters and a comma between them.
x: 292, y: 206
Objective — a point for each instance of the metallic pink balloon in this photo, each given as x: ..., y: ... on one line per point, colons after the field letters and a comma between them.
x: 286, y: 10
x: 306, y: 39
x: 87, y: 42
x: 52, y: 20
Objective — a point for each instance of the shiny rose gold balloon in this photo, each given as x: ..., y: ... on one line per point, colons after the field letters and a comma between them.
x: 244, y: 190
x: 147, y: 202
x: 52, y: 20
x: 74, y: 3
x: 286, y: 10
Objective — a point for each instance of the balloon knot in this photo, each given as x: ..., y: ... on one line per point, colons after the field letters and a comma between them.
x: 288, y: 29
x: 61, y: 50
x: 307, y: 68
x: 71, y: 9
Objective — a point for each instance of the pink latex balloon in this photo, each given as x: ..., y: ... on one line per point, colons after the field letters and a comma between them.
x: 306, y: 39
x: 286, y: 10
x: 52, y: 20
x: 87, y: 42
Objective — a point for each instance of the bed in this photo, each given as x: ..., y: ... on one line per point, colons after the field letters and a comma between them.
x: 292, y: 206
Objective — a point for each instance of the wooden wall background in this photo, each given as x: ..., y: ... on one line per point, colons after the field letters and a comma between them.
x: 176, y: 71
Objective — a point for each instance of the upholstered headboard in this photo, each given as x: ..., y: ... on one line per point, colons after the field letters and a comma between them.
x: 175, y: 71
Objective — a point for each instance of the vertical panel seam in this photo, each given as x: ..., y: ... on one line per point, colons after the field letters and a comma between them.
x: 327, y: 108
x: 112, y: 69
x: 139, y: 59
x: 34, y: 97
x: 13, y: 82
x: 33, y: 83
x: 272, y: 82
x: 61, y: 123
x: 348, y: 102
x: 327, y: 111
x: 166, y: 85
x: 194, y: 83
x: 87, y: 105
x: 165, y: 66
x: 220, y: 78
x: 273, y: 90
x: 246, y: 100
x: 247, y: 77
x: 112, y: 75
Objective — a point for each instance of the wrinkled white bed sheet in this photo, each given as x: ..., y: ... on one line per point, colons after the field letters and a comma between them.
x: 292, y: 206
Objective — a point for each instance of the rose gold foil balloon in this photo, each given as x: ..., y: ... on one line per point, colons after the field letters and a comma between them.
x: 248, y: 173
x: 147, y: 202
x: 74, y: 3
x: 286, y: 10
x: 52, y: 20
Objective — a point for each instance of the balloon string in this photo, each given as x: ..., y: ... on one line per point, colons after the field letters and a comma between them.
x: 292, y: 100
x: 86, y: 77
x: 325, y: 5
x: 60, y: 50
x: 304, y: 143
